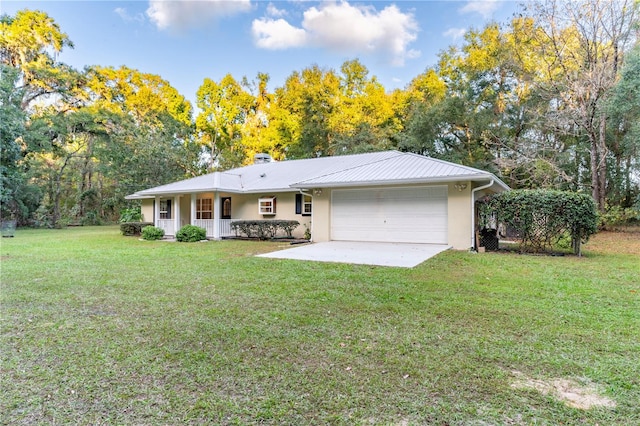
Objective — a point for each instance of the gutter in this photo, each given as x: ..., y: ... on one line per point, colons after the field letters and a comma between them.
x: 473, y: 211
x: 399, y: 182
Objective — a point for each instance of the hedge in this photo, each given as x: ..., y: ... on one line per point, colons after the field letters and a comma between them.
x: 133, y: 228
x: 264, y: 229
x: 542, y: 218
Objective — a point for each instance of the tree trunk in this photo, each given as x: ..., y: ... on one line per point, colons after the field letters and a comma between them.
x: 595, y: 179
x: 602, y: 164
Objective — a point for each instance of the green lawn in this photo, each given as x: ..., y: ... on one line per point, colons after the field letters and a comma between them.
x: 98, y: 328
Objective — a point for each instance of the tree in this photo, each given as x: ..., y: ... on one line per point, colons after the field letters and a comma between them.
x: 18, y: 199
x: 583, y: 43
x: 624, y: 111
x: 224, y: 107
x: 30, y: 42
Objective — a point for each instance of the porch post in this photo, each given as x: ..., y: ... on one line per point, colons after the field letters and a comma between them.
x: 216, y: 216
x: 176, y: 208
x: 156, y: 210
x: 193, y: 209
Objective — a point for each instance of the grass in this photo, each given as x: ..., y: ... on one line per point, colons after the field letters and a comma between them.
x: 103, y: 329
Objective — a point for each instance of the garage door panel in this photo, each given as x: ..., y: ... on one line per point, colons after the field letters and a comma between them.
x: 412, y: 214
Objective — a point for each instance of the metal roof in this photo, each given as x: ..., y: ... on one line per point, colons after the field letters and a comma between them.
x: 377, y: 168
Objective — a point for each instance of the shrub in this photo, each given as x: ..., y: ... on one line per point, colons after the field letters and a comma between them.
x: 541, y: 217
x: 264, y: 229
x: 152, y: 233
x: 191, y: 234
x: 133, y: 228
x: 619, y: 216
x: 133, y: 214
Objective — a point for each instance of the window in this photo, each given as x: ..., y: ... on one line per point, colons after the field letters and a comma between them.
x: 165, y: 209
x: 204, y: 208
x: 267, y: 206
x: 226, y: 208
x: 303, y: 204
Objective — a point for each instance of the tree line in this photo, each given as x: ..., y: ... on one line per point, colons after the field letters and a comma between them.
x: 550, y: 99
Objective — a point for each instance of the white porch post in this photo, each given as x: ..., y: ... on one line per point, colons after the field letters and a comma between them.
x: 216, y: 216
x: 156, y: 211
x: 193, y: 209
x: 176, y: 209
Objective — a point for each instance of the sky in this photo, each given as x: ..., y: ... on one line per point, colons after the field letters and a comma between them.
x: 185, y: 42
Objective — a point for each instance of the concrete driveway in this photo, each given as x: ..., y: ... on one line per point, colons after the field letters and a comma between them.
x: 363, y: 253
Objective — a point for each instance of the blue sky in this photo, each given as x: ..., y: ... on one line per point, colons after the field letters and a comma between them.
x: 187, y: 41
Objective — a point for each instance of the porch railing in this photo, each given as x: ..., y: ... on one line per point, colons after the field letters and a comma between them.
x: 167, y: 226
x: 225, y: 228
x: 206, y: 224
x: 209, y: 225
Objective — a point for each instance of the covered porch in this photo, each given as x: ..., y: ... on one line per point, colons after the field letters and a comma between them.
x: 206, y: 210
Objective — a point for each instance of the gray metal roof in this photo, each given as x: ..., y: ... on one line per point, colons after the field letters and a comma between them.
x: 377, y: 168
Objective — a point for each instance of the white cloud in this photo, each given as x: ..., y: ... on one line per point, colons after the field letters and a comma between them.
x: 484, y: 7
x: 184, y: 14
x: 343, y: 27
x: 124, y: 15
x: 274, y: 12
x: 277, y: 34
x: 455, y: 33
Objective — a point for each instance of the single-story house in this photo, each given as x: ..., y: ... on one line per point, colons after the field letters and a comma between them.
x: 387, y: 196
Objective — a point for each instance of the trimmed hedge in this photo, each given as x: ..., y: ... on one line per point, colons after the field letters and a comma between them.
x: 543, y: 218
x: 152, y: 233
x: 191, y: 234
x: 133, y: 228
x: 264, y: 229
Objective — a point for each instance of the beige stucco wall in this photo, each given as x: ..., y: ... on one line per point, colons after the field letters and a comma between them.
x: 458, y: 211
x: 245, y: 207
x: 459, y: 216
x: 321, y: 219
x: 147, y: 210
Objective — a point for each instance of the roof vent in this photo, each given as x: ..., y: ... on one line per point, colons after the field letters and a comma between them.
x: 261, y: 158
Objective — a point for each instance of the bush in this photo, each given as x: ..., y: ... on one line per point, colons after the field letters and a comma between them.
x: 618, y: 216
x: 151, y: 233
x: 133, y: 228
x: 133, y: 214
x: 191, y: 234
x: 264, y: 229
x: 542, y: 218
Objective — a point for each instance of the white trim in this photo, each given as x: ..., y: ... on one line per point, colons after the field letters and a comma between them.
x: 156, y: 211
x: 193, y: 208
x: 216, y: 215
x: 176, y: 209
x: 267, y: 206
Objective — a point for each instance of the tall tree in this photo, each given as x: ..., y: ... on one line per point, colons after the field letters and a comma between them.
x: 225, y: 107
x: 30, y: 42
x: 584, y: 42
x: 18, y: 198
x: 624, y: 112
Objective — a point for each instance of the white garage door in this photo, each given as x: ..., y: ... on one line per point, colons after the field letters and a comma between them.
x: 405, y: 215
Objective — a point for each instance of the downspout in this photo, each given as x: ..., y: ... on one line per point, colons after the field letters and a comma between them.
x: 473, y: 211
x: 312, y: 210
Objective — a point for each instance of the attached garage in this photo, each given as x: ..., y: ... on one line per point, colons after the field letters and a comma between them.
x: 415, y: 214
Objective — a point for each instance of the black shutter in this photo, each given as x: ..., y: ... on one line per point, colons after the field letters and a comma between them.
x: 298, y: 203
x: 169, y: 209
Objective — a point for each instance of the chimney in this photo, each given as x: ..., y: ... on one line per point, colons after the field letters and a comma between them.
x: 262, y: 158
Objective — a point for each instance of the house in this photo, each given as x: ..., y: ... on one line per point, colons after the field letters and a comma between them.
x: 382, y: 196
